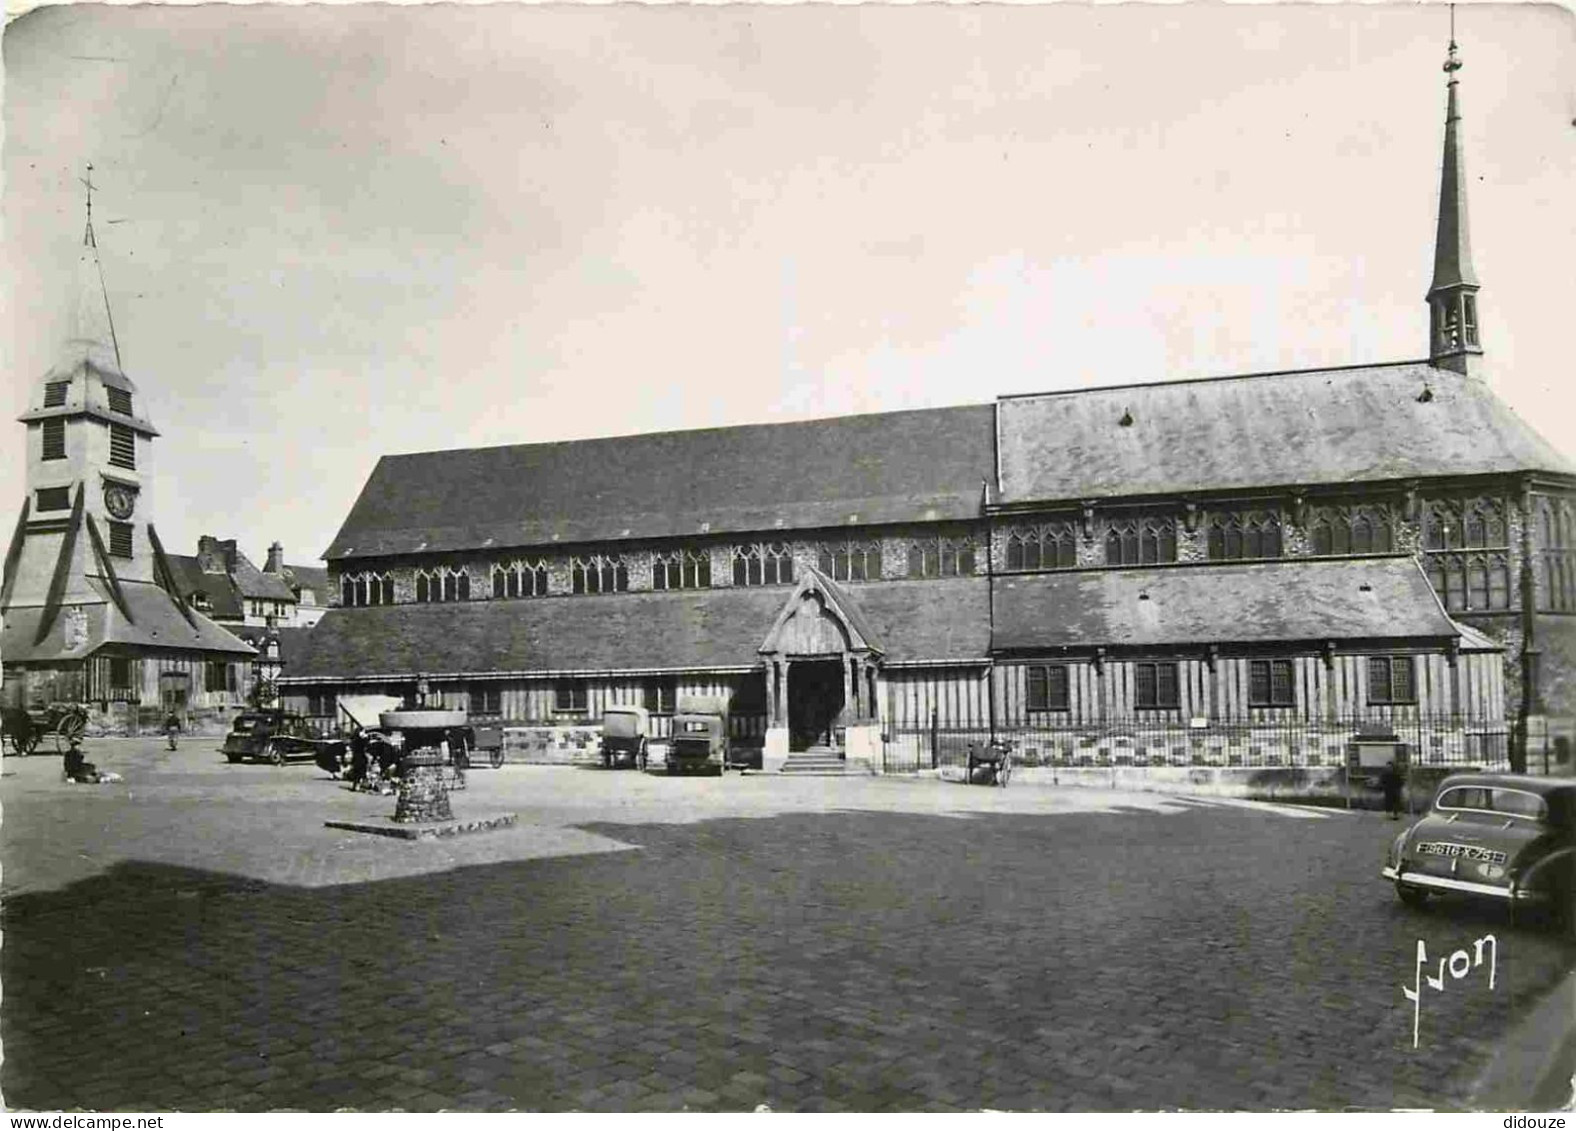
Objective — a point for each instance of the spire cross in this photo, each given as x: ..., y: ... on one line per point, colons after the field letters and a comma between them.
x: 1452, y: 64
x: 87, y: 235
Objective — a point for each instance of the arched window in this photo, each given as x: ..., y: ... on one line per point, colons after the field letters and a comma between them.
x: 1477, y: 583
x: 769, y: 563
x: 1250, y: 536
x: 1157, y: 542
x: 941, y: 557
x: 681, y: 569
x: 1455, y: 583
x: 347, y: 591
x: 425, y: 587
x: 1440, y: 530
x: 1498, y: 582
x: 1051, y: 546
x: 851, y: 561
x: 599, y: 573
x: 1323, y: 536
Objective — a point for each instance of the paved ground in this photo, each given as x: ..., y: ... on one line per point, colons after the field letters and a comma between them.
x: 193, y: 938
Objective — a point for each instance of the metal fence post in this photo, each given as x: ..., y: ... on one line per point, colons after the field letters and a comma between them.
x: 935, y: 754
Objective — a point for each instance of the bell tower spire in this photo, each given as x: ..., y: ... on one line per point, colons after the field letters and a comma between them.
x: 1453, y: 338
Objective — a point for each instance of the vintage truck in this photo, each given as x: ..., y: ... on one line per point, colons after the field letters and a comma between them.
x: 700, y: 735
x: 700, y: 738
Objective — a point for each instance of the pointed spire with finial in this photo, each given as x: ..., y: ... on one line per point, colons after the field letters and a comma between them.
x: 1452, y: 295
x: 95, y: 325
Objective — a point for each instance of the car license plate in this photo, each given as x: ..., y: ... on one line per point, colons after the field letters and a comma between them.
x: 1465, y: 851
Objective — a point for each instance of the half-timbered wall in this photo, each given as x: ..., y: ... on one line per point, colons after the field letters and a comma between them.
x: 536, y: 701
x: 945, y: 696
x: 1108, y: 692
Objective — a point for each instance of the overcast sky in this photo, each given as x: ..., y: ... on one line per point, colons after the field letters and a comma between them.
x: 332, y: 233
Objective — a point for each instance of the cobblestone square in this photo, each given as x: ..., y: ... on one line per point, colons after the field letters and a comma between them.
x: 194, y: 938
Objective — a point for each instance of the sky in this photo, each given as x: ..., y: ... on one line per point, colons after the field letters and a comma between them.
x: 334, y: 233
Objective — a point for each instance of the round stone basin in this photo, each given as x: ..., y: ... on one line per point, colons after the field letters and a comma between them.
x: 421, y: 720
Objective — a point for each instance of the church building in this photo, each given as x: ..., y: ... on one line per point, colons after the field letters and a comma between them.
x: 90, y: 609
x: 1241, y: 571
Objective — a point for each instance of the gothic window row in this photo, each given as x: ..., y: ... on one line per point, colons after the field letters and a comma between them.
x: 1470, y: 582
x: 851, y: 561
x: 1556, y: 532
x: 442, y: 584
x: 1254, y: 534
x: 357, y: 589
x: 1471, y: 524
x: 1053, y: 545
x: 1141, y: 541
x: 681, y: 569
x: 520, y: 579
x: 768, y: 563
x: 941, y: 557
x: 599, y: 573
x: 1351, y: 530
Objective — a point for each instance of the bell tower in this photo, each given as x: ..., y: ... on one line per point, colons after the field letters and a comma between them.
x: 1454, y: 339
x: 89, y: 448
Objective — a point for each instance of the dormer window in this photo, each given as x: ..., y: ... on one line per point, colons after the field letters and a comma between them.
x: 55, y: 393
x: 119, y: 400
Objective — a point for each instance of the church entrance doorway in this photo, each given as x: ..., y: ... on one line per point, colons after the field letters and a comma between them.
x: 815, y: 700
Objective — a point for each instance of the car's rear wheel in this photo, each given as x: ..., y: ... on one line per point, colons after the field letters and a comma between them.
x: 1410, y: 895
x: 232, y: 757
x: 276, y: 754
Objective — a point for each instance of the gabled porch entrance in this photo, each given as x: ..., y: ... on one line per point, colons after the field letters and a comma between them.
x: 815, y: 704
x: 821, y: 674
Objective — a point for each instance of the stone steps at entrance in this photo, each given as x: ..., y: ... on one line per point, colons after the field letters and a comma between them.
x: 818, y: 760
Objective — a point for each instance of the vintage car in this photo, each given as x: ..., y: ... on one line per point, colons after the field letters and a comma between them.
x: 1504, y: 837
x: 700, y: 735
x: 625, y: 735
x: 279, y: 736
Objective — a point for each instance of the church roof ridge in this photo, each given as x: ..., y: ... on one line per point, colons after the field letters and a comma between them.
x: 1218, y: 377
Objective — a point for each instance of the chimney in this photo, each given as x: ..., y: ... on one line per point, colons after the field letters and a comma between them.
x: 210, y: 554
x: 276, y: 559
x: 228, y: 546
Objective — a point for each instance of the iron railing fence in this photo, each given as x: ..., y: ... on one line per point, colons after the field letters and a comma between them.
x: 1422, y: 740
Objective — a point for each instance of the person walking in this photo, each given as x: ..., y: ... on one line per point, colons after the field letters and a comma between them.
x: 1390, y: 781
x: 172, y: 726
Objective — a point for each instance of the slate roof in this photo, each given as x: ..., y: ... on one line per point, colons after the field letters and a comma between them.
x: 901, y: 466
x: 156, y: 623
x: 688, y: 630
x: 223, y: 597
x: 253, y: 582
x: 1315, y: 426
x: 315, y: 578
x: 1239, y: 603
x: 258, y: 636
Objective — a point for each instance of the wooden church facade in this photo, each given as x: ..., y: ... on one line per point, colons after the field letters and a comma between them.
x: 1277, y: 563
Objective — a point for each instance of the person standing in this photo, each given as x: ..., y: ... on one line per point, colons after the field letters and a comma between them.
x: 1390, y: 782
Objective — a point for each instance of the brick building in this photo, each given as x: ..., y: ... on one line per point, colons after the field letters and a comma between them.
x: 1190, y: 572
